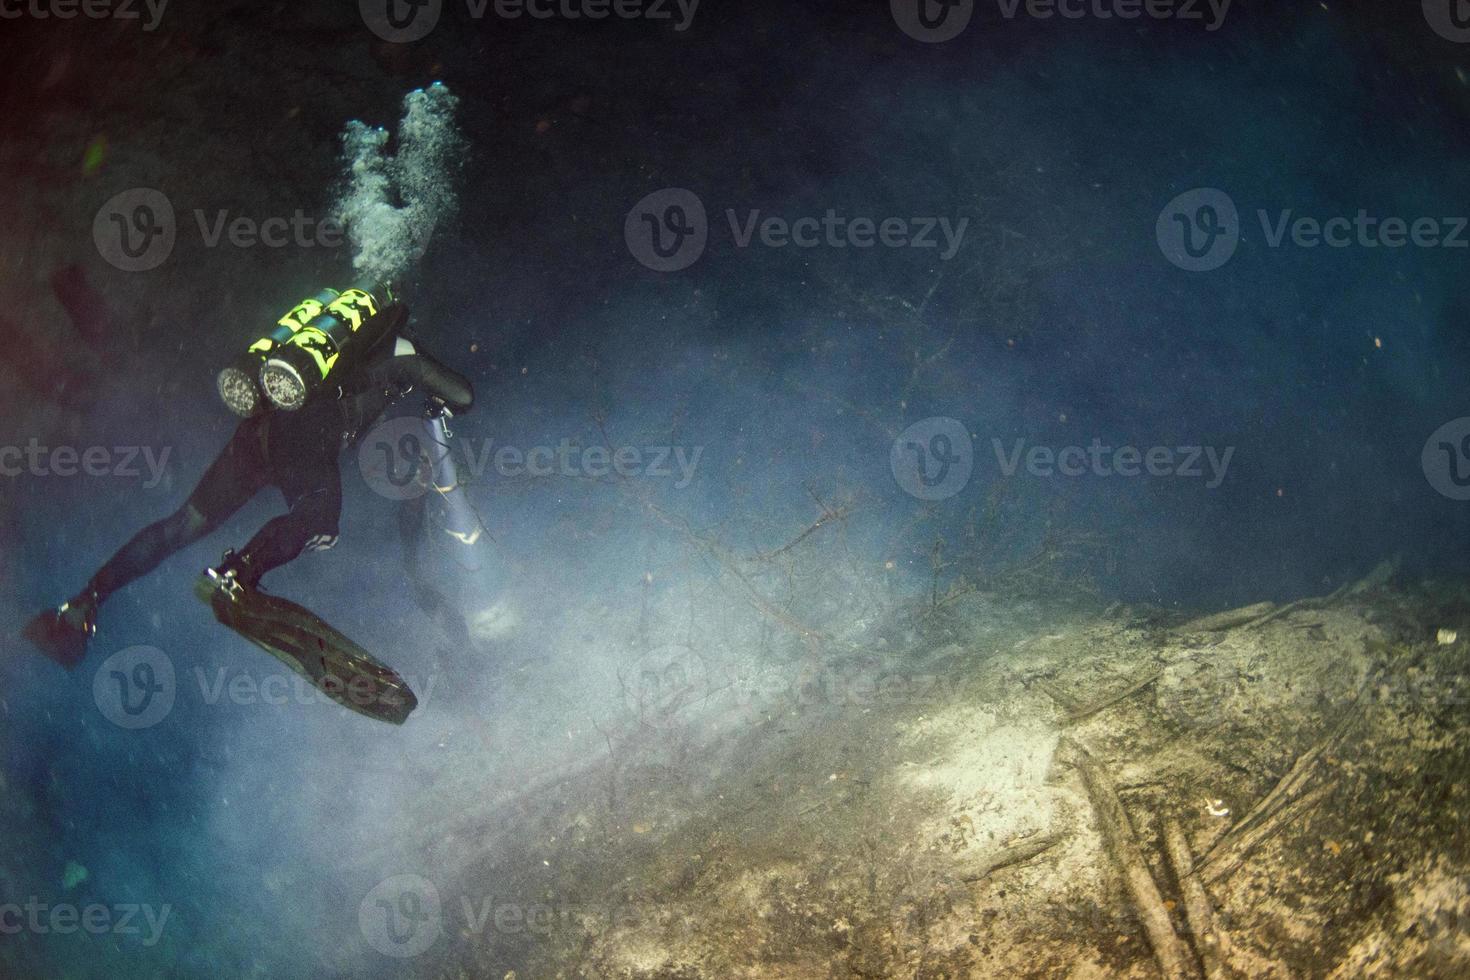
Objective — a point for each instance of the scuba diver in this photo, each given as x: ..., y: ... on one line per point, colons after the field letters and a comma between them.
x: 331, y: 369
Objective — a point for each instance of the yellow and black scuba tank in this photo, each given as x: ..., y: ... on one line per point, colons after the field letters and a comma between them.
x: 239, y: 383
x: 283, y: 368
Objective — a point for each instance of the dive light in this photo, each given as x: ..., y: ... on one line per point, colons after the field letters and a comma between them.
x: 287, y: 365
x: 239, y: 384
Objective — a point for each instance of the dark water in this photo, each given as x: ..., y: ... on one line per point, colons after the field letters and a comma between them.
x: 1303, y: 380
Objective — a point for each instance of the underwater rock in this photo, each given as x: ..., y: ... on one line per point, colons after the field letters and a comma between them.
x: 1228, y: 619
x: 1381, y: 575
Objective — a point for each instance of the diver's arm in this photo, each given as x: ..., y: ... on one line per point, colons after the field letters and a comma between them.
x: 449, y: 387
x: 410, y: 367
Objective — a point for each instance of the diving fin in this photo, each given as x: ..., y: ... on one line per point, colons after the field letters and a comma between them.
x: 334, y: 664
x: 62, y: 633
x: 51, y: 634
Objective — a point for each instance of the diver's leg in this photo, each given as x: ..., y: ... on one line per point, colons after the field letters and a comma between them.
x: 412, y: 519
x: 315, y: 499
x: 236, y: 475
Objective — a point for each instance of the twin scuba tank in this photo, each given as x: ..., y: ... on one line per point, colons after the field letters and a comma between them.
x: 309, y: 349
x: 309, y: 345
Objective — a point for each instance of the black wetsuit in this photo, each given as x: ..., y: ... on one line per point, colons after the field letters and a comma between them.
x: 297, y: 453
